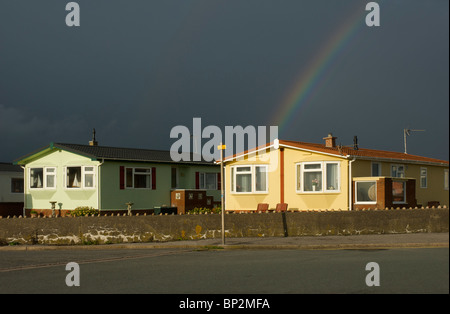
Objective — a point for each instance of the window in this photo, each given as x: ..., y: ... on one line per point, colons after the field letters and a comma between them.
x: 73, y: 177
x: 312, y: 177
x: 366, y: 192
x: 43, y: 178
x: 50, y: 177
x: 260, y: 179
x: 332, y: 171
x: 398, y: 192
x: 88, y: 177
x: 37, y: 178
x: 398, y: 171
x: 244, y: 179
x: 249, y: 179
x: 80, y: 177
x: 138, y: 178
x: 423, y: 178
x: 376, y: 169
x: 174, y: 178
x: 208, y: 180
x: 318, y: 177
x: 16, y: 185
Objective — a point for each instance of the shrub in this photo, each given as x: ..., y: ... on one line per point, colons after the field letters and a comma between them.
x: 83, y: 211
x: 202, y: 210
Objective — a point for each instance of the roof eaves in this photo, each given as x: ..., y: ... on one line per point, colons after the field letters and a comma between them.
x: 403, y: 160
x: 22, y: 160
x: 206, y: 163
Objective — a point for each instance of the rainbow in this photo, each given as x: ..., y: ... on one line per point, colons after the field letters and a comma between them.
x: 308, y: 81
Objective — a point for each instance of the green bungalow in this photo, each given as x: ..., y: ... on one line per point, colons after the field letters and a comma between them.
x: 61, y: 177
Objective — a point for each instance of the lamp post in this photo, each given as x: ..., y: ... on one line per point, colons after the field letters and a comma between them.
x: 221, y: 148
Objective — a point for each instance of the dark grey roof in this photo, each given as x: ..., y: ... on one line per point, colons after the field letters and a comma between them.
x: 126, y: 154
x: 9, y: 167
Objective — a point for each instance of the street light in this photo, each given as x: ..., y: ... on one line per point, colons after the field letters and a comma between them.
x: 222, y: 148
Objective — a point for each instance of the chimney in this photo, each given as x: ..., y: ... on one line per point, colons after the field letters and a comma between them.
x: 93, y: 142
x: 330, y: 140
x: 355, y: 142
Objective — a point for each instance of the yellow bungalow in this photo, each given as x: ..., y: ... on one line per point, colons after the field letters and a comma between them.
x: 309, y: 176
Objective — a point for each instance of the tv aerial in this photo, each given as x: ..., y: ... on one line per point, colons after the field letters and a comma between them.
x: 407, y: 132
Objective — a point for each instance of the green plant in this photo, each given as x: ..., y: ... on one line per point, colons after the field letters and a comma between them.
x: 204, y: 210
x: 84, y: 211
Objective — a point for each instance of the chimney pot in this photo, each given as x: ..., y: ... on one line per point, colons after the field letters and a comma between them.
x: 93, y: 142
x: 330, y: 140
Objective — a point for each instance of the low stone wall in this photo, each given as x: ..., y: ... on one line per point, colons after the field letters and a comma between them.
x: 118, y: 229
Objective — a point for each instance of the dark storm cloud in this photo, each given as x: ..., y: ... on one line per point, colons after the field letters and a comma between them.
x: 135, y: 69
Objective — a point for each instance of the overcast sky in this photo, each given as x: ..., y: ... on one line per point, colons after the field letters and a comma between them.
x: 135, y: 69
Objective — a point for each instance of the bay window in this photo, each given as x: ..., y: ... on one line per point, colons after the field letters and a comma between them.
x: 80, y: 177
x: 318, y: 177
x: 249, y: 179
x: 43, y: 178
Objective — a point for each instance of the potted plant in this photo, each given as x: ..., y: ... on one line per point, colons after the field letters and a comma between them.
x: 33, y: 214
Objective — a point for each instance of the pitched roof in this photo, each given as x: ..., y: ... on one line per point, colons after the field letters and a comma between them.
x: 349, y: 153
x: 9, y: 167
x: 362, y: 153
x: 115, y: 153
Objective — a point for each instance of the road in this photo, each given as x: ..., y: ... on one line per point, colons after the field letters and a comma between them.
x: 208, y: 271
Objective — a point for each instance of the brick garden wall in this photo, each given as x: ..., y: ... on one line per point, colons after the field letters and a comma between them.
x: 119, y: 229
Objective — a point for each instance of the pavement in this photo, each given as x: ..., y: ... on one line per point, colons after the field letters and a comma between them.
x: 375, y: 241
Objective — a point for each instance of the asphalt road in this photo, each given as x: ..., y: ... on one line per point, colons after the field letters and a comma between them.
x: 207, y: 271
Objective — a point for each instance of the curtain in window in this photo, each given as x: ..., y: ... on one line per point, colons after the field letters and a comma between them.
x: 36, y: 177
x: 312, y: 181
x: 74, y: 177
x: 243, y: 182
x: 332, y: 177
x: 261, y: 178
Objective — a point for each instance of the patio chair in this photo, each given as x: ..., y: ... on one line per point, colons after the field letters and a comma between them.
x: 262, y: 207
x: 281, y: 207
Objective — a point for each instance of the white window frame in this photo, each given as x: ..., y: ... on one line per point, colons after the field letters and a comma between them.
x: 202, y: 181
x: 83, y: 179
x: 425, y: 176
x: 252, y: 172
x: 45, y: 172
x: 379, y: 169
x: 402, y: 172
x: 300, y: 167
x: 356, y: 192
x: 133, y: 173
x: 84, y: 172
